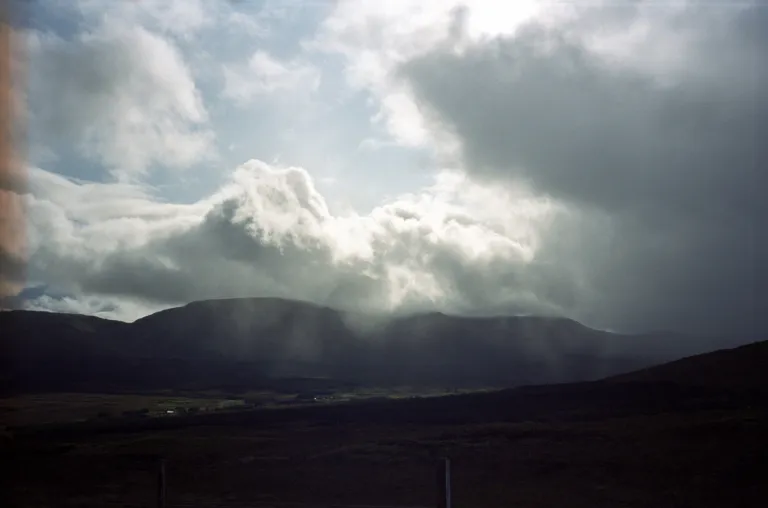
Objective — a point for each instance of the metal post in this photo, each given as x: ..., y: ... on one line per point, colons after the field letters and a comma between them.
x: 161, y: 484
x: 447, y: 482
x: 444, y: 483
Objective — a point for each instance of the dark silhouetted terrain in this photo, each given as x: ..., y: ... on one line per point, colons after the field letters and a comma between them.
x: 241, y: 343
x: 675, y: 435
x: 692, y: 432
x: 742, y: 367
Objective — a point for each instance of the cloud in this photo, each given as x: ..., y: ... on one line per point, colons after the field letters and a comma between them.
x: 268, y: 232
x: 122, y: 309
x: 182, y: 19
x: 668, y: 148
x: 264, y: 75
x: 374, y: 38
x: 642, y: 120
x: 604, y: 164
x: 121, y: 94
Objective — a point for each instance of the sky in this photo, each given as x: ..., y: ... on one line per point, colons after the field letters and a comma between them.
x: 601, y: 160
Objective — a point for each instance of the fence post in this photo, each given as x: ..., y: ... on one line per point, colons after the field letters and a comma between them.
x: 444, y: 483
x: 161, y: 483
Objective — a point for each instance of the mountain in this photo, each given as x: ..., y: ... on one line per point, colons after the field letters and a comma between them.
x: 741, y: 367
x: 243, y: 343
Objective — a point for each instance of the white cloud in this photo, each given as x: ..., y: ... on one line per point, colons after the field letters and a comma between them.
x: 122, y: 94
x: 178, y: 18
x: 374, y: 38
x: 250, y: 24
x: 264, y: 75
x: 269, y: 232
x: 662, y: 40
x: 122, y: 309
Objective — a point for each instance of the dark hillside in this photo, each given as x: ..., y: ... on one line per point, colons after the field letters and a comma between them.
x: 239, y: 343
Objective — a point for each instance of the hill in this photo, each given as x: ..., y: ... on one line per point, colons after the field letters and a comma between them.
x: 741, y: 367
x: 242, y: 343
x: 690, y: 432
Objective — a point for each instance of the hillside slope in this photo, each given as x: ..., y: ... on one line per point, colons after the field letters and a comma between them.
x: 741, y: 367
x: 238, y: 343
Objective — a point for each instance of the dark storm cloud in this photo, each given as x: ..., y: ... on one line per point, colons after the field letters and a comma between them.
x: 674, y: 159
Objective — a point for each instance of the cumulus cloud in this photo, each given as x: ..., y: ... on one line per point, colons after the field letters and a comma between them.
x: 269, y: 232
x: 374, y: 38
x: 669, y: 149
x: 647, y: 119
x: 120, y: 93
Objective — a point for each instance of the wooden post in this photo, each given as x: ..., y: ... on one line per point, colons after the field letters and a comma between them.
x: 444, y: 483
x: 161, y: 484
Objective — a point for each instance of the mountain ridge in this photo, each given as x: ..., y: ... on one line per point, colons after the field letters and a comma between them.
x: 242, y: 341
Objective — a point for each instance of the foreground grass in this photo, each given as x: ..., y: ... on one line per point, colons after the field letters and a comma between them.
x: 373, y: 453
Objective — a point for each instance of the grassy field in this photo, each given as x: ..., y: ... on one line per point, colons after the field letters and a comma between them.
x: 48, y: 408
x: 506, y: 451
x: 44, y: 408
